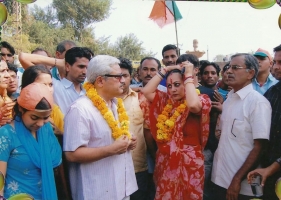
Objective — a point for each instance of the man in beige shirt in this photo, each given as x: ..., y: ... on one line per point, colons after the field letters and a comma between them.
x: 136, y: 118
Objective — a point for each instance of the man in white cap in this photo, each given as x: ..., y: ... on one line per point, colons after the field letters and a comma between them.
x: 264, y: 79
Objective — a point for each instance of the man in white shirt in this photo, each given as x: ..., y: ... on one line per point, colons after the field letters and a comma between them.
x: 100, y: 162
x: 245, y: 125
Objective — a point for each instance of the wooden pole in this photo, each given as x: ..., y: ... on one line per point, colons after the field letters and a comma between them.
x: 175, y: 25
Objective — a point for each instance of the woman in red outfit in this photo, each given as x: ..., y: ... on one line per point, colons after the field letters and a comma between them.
x: 179, y: 122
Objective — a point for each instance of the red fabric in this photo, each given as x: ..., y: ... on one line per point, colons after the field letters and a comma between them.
x: 179, y: 170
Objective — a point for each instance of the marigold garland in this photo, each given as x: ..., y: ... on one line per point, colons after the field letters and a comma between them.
x: 165, y: 125
x: 119, y: 127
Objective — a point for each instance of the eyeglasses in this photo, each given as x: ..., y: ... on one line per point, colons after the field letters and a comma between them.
x: 117, y: 76
x: 8, y: 54
x: 234, y: 67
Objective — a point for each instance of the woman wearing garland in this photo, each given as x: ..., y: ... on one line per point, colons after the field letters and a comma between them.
x: 179, y: 122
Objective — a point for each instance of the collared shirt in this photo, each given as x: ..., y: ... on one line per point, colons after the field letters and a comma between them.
x: 270, y: 81
x: 274, y: 97
x: 246, y: 116
x: 112, y: 177
x: 65, y: 93
x: 159, y: 87
x: 19, y: 77
x: 55, y: 73
x: 132, y: 106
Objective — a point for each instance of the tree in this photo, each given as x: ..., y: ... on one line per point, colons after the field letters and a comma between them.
x: 130, y: 47
x: 81, y: 13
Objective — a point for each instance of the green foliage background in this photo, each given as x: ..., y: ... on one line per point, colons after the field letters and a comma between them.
x: 68, y: 20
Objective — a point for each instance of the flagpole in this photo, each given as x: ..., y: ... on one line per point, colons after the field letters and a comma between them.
x: 175, y: 24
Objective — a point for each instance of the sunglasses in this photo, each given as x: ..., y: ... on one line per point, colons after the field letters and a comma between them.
x: 8, y: 54
x: 117, y: 76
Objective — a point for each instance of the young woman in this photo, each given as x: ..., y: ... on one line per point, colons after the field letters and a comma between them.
x: 29, y: 150
x: 179, y: 122
x: 40, y: 74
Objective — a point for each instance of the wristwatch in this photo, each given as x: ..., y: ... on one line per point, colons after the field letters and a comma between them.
x: 278, y: 161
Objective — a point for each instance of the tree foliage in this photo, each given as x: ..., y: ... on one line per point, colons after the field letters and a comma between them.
x: 81, y: 13
x: 43, y: 28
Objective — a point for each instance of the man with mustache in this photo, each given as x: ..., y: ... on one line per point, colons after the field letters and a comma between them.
x: 245, y: 126
x: 149, y: 67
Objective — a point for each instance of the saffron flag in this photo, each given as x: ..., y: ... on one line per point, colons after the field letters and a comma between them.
x: 165, y: 12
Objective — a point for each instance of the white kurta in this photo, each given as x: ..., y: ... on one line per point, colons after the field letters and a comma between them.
x: 109, y: 178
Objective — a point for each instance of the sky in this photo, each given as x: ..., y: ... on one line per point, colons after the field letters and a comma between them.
x: 220, y: 27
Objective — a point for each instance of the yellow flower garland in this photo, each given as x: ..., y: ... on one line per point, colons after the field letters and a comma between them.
x: 119, y: 127
x: 165, y: 125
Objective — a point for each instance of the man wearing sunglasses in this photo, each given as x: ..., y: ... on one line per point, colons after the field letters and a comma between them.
x: 245, y: 125
x: 264, y: 78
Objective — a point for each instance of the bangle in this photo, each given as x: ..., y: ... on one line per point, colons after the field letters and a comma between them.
x: 55, y: 62
x: 159, y: 76
x: 188, y: 81
x: 162, y: 75
x: 185, y: 78
x: 278, y: 161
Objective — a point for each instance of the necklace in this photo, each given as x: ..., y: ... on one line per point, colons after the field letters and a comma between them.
x: 119, y: 127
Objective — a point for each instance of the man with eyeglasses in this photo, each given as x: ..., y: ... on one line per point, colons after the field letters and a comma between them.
x: 245, y: 126
x: 264, y: 79
x: 100, y: 164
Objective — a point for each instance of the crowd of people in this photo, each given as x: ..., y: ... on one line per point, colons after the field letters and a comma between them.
x: 84, y: 126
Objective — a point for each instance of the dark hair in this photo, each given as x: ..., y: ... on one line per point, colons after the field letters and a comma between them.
x: 6, y: 45
x: 12, y: 67
x: 278, y: 48
x: 39, y: 49
x: 76, y: 52
x: 170, y: 47
x: 251, y: 62
x: 188, y: 57
x: 61, y: 46
x: 150, y: 58
x: 206, y: 64
x: 174, y: 71
x: 225, y: 67
x: 42, y: 105
x: 126, y: 64
x: 31, y: 73
x: 88, y: 50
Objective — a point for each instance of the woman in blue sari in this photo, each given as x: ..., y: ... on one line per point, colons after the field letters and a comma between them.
x: 29, y: 150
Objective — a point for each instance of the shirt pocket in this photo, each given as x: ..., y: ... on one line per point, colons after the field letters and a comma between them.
x: 238, y: 130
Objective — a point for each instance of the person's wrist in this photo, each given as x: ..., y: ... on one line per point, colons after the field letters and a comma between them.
x: 163, y: 71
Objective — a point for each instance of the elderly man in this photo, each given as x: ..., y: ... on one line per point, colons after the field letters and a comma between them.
x: 245, y: 125
x: 97, y: 141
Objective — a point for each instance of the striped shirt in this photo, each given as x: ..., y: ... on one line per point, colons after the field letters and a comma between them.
x: 109, y: 178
